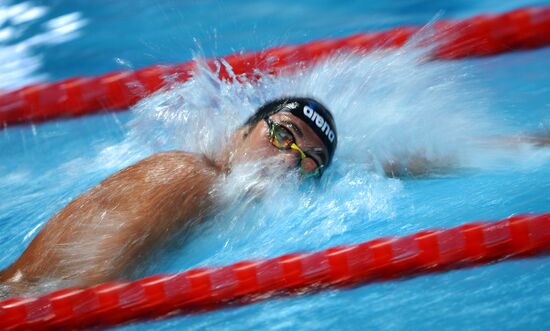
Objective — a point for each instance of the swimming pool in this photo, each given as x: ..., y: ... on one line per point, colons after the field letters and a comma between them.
x: 507, y: 93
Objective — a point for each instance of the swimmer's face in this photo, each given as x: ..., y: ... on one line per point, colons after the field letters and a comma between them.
x: 257, y: 144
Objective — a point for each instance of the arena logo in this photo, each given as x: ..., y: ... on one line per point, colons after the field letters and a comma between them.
x: 320, y: 122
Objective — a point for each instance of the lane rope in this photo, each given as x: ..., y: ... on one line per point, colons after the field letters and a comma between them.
x: 209, y: 288
x: 482, y: 35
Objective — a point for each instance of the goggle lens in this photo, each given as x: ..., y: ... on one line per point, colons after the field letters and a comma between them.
x: 283, y: 139
x: 309, y: 167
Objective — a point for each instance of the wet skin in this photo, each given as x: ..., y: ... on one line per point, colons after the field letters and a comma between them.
x: 106, y: 232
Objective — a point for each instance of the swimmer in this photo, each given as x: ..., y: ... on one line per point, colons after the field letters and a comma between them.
x: 102, y: 234
x: 107, y: 232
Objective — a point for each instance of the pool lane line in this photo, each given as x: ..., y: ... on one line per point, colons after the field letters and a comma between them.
x: 482, y: 35
x: 209, y: 288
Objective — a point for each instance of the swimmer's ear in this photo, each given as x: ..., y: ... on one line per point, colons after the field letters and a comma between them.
x: 244, y: 131
x: 239, y: 135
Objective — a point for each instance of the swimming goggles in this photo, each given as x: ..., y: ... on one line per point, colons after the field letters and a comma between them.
x: 283, y: 139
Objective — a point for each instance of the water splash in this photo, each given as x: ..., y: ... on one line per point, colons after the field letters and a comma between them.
x: 388, y: 105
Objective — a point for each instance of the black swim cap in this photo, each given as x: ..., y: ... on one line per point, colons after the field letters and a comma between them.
x: 309, y: 110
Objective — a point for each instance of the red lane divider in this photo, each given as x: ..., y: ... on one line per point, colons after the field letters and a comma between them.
x: 207, y: 288
x: 478, y: 36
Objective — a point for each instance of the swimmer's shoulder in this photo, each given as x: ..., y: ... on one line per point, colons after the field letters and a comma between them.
x: 179, y: 158
x: 175, y: 163
x: 167, y: 172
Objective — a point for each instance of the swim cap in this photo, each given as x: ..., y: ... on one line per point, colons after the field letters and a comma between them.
x: 309, y: 110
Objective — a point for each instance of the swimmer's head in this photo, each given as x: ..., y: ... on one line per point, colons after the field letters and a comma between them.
x: 298, y: 131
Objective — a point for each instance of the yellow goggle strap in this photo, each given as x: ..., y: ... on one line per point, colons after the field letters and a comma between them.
x: 296, y: 148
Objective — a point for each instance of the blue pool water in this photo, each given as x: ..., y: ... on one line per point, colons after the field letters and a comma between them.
x: 386, y: 105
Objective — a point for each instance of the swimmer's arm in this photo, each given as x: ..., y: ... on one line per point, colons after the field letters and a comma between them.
x: 537, y: 140
x: 419, y: 165
x: 102, y: 233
